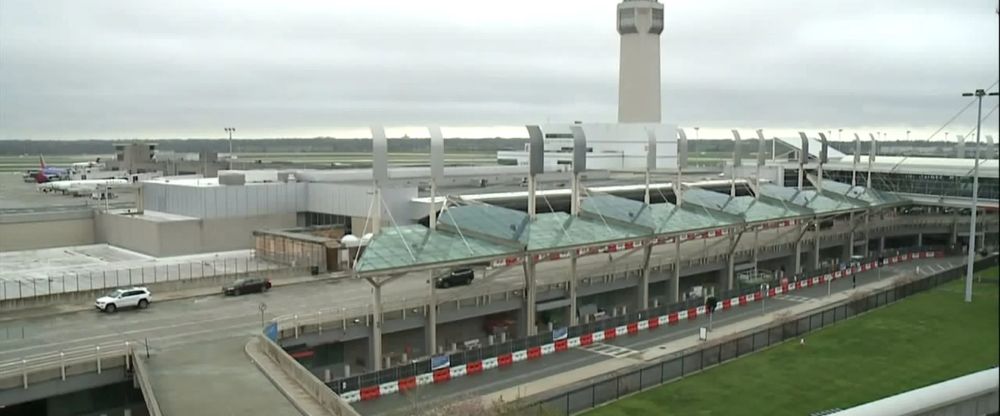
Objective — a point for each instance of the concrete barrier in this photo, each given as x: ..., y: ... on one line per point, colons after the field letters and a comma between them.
x: 141, y: 378
x: 312, y: 385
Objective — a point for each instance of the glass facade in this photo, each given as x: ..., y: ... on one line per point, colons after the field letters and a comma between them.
x: 940, y: 185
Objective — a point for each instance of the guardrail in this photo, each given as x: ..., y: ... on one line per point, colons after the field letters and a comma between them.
x: 295, y: 325
x: 36, y: 368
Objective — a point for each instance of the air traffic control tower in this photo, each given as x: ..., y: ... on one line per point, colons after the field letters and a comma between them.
x: 640, y: 23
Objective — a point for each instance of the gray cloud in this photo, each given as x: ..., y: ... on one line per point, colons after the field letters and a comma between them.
x: 120, y: 69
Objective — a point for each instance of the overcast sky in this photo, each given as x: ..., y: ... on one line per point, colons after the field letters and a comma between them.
x: 187, y: 68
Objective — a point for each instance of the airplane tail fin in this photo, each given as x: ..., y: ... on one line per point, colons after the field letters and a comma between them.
x: 41, y: 160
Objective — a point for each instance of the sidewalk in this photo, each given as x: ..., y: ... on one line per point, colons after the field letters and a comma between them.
x: 29, y: 313
x: 677, y: 347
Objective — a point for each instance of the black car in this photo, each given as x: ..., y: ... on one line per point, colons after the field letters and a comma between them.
x: 458, y: 277
x: 249, y: 285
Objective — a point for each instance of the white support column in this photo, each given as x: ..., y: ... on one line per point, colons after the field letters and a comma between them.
x: 375, y: 358
x: 573, y: 318
x: 531, y: 197
x: 731, y: 262
x: 850, y: 246
x: 756, y: 246
x: 529, y: 296
x: 674, y: 290
x: 798, y: 250
x: 431, y: 326
x: 433, y: 216
x: 920, y: 239
x: 647, y: 251
x: 868, y: 232
x: 816, y: 247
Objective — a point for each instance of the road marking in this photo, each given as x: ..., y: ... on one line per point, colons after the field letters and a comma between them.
x: 609, y: 350
x: 794, y: 298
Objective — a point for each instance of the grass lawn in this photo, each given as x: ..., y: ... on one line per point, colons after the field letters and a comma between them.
x: 927, y: 338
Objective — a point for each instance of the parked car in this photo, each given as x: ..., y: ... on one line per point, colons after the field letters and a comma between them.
x: 248, y: 285
x: 457, y: 277
x: 124, y: 298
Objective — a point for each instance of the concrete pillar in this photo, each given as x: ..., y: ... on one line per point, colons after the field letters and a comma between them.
x: 375, y: 340
x: 430, y: 329
x: 816, y: 248
x: 798, y: 257
x: 868, y: 233
x: 529, y: 296
x: 647, y: 251
x: 920, y: 239
x: 573, y: 318
x: 730, y: 271
x: 674, y: 286
x: 881, y: 245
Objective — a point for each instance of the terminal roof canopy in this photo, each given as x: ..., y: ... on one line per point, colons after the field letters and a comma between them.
x: 559, y: 229
x: 416, y: 245
x: 817, y: 202
x: 489, y: 222
x: 749, y: 208
x: 871, y: 196
x: 661, y: 218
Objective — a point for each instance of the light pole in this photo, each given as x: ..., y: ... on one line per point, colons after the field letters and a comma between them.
x: 907, y: 135
x: 696, y: 137
x: 975, y: 194
x: 230, y: 130
x: 840, y: 132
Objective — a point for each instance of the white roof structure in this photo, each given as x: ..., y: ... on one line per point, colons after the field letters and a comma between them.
x: 814, y: 147
x: 988, y: 168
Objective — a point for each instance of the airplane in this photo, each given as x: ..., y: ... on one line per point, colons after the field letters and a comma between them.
x: 80, y: 187
x: 49, y: 174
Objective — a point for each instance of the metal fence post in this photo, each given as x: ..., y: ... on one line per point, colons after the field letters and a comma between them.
x: 24, y: 372
x: 97, y: 351
x: 62, y: 364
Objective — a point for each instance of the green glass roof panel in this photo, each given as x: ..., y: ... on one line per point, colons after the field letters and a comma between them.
x: 811, y: 199
x: 622, y: 210
x: 766, y: 209
x: 673, y: 219
x: 488, y: 221
x: 416, y: 245
x: 559, y: 229
x: 871, y: 196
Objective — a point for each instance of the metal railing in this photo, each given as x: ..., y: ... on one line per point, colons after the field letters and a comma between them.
x: 14, y: 286
x: 608, y: 388
x: 70, y: 361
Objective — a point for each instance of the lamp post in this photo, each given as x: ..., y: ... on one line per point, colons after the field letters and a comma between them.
x: 696, y: 137
x: 907, y: 135
x: 840, y: 132
x: 230, y: 130
x: 975, y: 194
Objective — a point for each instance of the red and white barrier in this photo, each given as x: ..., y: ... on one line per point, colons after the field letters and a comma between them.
x: 533, y: 353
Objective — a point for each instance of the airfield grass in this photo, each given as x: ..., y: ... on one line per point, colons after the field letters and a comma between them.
x: 927, y: 338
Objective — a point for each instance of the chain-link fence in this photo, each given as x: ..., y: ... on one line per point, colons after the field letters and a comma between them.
x: 423, y: 366
x: 12, y: 287
x: 613, y: 387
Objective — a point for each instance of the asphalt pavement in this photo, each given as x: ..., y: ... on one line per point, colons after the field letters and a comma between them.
x: 202, y: 319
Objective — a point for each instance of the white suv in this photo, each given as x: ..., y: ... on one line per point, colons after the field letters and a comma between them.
x: 124, y: 298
